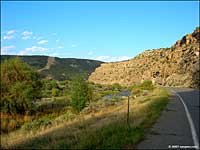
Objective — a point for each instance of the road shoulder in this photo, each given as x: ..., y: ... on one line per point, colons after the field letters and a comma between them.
x: 172, y: 128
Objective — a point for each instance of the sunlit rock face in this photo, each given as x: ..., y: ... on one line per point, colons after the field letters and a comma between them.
x: 175, y: 66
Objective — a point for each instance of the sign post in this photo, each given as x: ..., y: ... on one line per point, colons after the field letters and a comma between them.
x: 128, y: 112
x: 127, y: 93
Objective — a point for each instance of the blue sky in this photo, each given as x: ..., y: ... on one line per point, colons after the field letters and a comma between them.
x: 108, y: 31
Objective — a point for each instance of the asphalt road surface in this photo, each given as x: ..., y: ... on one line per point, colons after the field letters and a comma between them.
x: 177, y: 128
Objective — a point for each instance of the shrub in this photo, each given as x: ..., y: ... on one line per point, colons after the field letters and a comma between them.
x: 81, y: 94
x: 54, y: 84
x: 55, y: 92
x: 38, y: 123
x: 116, y: 86
x: 147, y: 85
x: 19, y: 87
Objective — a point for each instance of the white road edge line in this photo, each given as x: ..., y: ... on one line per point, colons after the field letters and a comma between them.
x: 192, y: 128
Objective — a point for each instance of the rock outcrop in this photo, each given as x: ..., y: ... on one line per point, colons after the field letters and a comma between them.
x: 175, y: 66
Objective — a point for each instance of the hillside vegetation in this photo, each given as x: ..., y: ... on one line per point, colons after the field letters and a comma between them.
x: 100, y: 125
x: 58, y: 68
x: 20, y: 87
x: 175, y: 66
x: 72, y: 114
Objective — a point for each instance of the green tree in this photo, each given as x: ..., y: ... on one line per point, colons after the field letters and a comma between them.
x: 147, y: 85
x: 55, y: 92
x: 81, y: 94
x: 19, y: 87
x: 54, y: 84
x: 116, y: 86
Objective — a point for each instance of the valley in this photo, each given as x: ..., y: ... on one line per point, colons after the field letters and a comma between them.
x: 67, y: 103
x: 105, y: 75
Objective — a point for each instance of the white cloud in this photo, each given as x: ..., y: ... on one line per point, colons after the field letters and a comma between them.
x: 32, y: 49
x: 123, y: 58
x: 10, y: 32
x: 74, y: 45
x: 112, y: 59
x: 8, y: 37
x: 103, y: 58
x: 6, y: 49
x: 90, y: 53
x: 26, y: 35
x: 43, y: 42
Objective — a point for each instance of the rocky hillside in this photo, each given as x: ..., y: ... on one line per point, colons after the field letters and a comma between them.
x: 175, y: 66
x: 58, y: 68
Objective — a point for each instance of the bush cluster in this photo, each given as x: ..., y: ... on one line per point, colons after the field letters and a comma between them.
x: 81, y: 93
x: 19, y: 87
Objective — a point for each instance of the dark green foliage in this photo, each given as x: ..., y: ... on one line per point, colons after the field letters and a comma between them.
x: 19, y: 87
x: 81, y: 94
x: 47, y: 85
x: 52, y: 88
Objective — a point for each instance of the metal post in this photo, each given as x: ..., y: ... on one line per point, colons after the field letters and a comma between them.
x: 128, y: 112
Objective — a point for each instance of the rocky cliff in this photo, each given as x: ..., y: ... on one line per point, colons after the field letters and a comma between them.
x: 175, y: 66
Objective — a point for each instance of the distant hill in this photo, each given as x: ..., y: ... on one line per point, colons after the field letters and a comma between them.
x: 175, y: 66
x: 58, y: 68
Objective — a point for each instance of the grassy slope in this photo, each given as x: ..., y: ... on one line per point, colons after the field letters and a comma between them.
x: 64, y: 68
x: 102, y: 129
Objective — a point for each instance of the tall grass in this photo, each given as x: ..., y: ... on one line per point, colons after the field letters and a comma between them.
x: 103, y: 129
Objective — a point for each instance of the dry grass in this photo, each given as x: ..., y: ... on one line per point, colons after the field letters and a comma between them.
x: 12, y: 122
x: 69, y: 133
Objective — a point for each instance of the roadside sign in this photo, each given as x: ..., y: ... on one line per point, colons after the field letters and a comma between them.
x: 125, y: 93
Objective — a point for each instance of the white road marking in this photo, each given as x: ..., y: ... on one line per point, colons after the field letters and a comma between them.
x: 192, y: 128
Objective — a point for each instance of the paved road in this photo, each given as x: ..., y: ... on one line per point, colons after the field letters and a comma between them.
x: 173, y: 130
x: 191, y: 99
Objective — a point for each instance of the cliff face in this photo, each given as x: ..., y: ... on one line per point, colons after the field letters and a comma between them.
x: 175, y: 66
